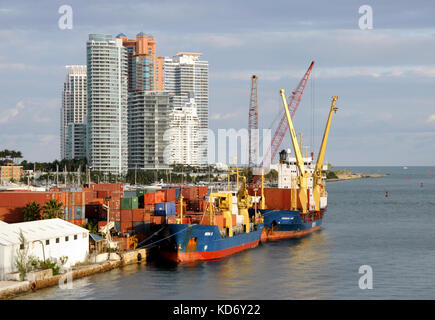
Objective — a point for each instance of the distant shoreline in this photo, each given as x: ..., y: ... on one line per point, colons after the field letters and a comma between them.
x: 342, y: 177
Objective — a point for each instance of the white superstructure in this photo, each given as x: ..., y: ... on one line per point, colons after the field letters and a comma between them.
x: 288, y: 172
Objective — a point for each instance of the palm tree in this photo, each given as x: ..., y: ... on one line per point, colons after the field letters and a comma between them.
x: 53, y: 209
x: 32, y: 211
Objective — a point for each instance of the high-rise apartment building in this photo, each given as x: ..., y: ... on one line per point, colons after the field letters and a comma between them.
x: 145, y: 68
x: 186, y: 74
x: 183, y: 135
x: 73, y: 111
x: 75, y: 141
x: 107, y: 137
x: 148, y: 122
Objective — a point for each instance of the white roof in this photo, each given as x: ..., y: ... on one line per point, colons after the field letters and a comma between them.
x: 37, y: 230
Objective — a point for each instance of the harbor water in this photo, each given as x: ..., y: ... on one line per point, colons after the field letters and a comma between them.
x: 394, y: 235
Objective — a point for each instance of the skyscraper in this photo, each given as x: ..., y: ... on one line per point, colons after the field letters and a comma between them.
x: 145, y: 68
x: 107, y: 140
x: 185, y: 74
x: 148, y: 122
x: 183, y: 135
x: 73, y: 112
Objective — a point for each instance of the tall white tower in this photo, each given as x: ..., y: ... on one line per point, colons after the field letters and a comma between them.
x: 184, y: 74
x: 107, y: 142
x: 73, y: 112
x: 183, y: 135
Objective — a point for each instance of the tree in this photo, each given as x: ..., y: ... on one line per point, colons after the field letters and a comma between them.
x: 53, y: 209
x: 32, y: 211
x: 22, y: 261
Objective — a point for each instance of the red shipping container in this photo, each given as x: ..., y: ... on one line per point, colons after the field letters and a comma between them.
x: 138, y: 214
x: 150, y: 208
x: 126, y: 215
x: 115, y: 215
x: 147, y: 217
x: 234, y: 216
x: 126, y: 227
x: 107, y: 187
x: 159, y: 197
x: 149, y: 198
x: 202, y: 192
x: 78, y: 222
x: 169, y: 195
x: 89, y: 196
x: 102, y: 194
x: 171, y: 220
x: 20, y: 199
x: 157, y: 219
x: 219, y: 219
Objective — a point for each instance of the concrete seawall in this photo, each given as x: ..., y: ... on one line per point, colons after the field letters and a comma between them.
x: 9, y: 289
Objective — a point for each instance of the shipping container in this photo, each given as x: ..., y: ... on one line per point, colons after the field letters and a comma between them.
x: 130, y: 194
x: 177, y: 193
x: 126, y: 215
x: 138, y: 214
x: 159, y: 197
x: 160, y: 209
x: 126, y: 227
x: 169, y: 195
x: 170, y: 208
x: 150, y: 198
x: 150, y: 208
x: 157, y: 219
x: 134, y: 203
x: 126, y: 203
x: 107, y: 187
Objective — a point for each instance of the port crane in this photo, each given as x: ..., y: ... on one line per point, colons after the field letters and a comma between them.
x: 317, y: 175
x: 282, y: 127
x: 303, y: 174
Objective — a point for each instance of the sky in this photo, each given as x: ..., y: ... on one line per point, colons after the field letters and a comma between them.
x: 384, y: 77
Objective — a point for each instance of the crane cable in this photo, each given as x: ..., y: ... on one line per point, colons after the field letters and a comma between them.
x: 153, y: 243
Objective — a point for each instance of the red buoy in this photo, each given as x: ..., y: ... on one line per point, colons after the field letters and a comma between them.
x: 386, y: 194
x: 422, y: 184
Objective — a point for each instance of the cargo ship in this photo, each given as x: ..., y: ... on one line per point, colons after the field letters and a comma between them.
x: 225, y: 228
x: 297, y: 207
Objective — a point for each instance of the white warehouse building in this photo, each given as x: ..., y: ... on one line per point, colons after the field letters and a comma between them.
x: 52, y: 238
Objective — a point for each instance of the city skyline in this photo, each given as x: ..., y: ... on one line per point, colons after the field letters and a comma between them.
x: 383, y: 77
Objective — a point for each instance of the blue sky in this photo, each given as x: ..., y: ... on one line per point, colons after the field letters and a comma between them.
x: 384, y: 77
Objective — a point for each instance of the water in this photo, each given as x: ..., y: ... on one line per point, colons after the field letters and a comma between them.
x: 394, y: 235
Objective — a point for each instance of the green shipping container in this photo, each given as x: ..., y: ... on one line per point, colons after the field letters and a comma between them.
x: 134, y: 203
x: 126, y: 203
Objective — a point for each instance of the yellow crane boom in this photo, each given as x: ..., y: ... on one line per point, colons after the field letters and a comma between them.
x: 302, y: 178
x: 317, y: 176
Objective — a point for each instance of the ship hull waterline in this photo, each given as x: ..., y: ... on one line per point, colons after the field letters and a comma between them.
x: 191, y: 243
x: 288, y: 224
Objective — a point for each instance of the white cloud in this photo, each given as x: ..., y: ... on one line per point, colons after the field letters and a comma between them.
x: 220, y: 116
x: 8, y: 114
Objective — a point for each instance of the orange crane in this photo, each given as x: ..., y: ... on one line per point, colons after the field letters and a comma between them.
x: 281, y: 130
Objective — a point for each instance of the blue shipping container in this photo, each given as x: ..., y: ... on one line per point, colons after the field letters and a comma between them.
x: 170, y: 208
